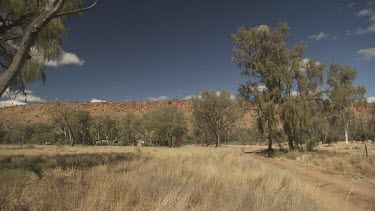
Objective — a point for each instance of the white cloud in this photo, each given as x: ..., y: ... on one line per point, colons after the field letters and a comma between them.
x: 367, y: 53
x: 370, y: 13
x: 188, y: 97
x: 94, y: 100
x: 29, y: 98
x: 371, y: 99
x: 320, y: 36
x: 7, y: 103
x: 65, y: 58
x: 160, y: 98
x: 28, y: 91
x: 304, y: 63
x: 370, y: 29
x: 294, y: 93
x: 261, y: 88
x: 20, y: 97
x: 218, y: 93
x: 366, y: 12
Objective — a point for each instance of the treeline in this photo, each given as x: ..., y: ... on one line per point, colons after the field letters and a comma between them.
x: 299, y: 101
x: 212, y: 122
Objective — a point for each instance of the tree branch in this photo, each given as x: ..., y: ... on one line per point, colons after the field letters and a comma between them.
x: 76, y: 11
x: 11, y: 37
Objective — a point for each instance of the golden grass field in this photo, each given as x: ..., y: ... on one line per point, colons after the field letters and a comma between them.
x: 349, y: 161
x: 130, y: 178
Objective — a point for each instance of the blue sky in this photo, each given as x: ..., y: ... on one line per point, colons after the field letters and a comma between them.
x: 133, y: 50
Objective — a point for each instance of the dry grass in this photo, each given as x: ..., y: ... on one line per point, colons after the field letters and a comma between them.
x: 347, y: 160
x: 127, y: 178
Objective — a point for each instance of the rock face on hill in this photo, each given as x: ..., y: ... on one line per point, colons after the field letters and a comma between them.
x: 40, y: 112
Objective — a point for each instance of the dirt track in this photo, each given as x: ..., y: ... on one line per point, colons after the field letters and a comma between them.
x: 358, y: 194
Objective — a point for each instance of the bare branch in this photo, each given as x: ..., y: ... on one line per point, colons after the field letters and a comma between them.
x: 76, y: 11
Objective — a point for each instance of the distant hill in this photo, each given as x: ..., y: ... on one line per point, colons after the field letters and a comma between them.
x: 39, y: 112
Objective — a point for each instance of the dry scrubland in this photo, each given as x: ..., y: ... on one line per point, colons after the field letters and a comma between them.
x: 128, y: 178
x: 349, y: 161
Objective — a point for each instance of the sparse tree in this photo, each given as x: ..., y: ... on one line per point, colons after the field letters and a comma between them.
x: 216, y: 113
x: 343, y: 94
x: 31, y: 33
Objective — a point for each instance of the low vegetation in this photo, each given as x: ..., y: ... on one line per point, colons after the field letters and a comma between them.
x: 195, y: 178
x: 339, y: 159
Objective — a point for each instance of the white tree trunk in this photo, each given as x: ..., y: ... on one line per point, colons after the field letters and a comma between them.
x: 346, y: 133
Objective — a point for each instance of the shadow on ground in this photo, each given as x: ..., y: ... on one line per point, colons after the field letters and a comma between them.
x: 38, y: 164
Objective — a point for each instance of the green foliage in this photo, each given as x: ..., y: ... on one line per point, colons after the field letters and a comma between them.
x: 103, y: 127
x: 73, y: 123
x: 371, y: 127
x: 215, y: 113
x: 166, y: 125
x: 358, y: 130
x: 131, y: 129
x: 2, y: 132
x: 16, y: 16
x: 343, y: 95
x: 288, y: 90
x: 32, y: 133
x: 244, y: 136
x: 271, y: 70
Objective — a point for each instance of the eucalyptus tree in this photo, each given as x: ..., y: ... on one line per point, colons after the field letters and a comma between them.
x: 270, y: 69
x: 215, y: 113
x: 304, y: 108
x: 167, y: 123
x: 60, y: 117
x: 131, y: 128
x: 343, y: 94
x: 81, y: 122
x: 73, y: 123
x: 31, y: 32
x: 104, y: 127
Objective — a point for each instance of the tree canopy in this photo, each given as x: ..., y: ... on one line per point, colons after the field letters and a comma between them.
x: 215, y: 113
x: 31, y: 33
x: 291, y: 93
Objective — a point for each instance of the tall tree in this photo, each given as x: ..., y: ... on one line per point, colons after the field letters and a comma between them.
x: 60, y: 117
x: 270, y: 69
x: 343, y: 94
x: 30, y: 33
x: 215, y: 112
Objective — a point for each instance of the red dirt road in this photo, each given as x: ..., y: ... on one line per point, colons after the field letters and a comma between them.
x: 356, y: 193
